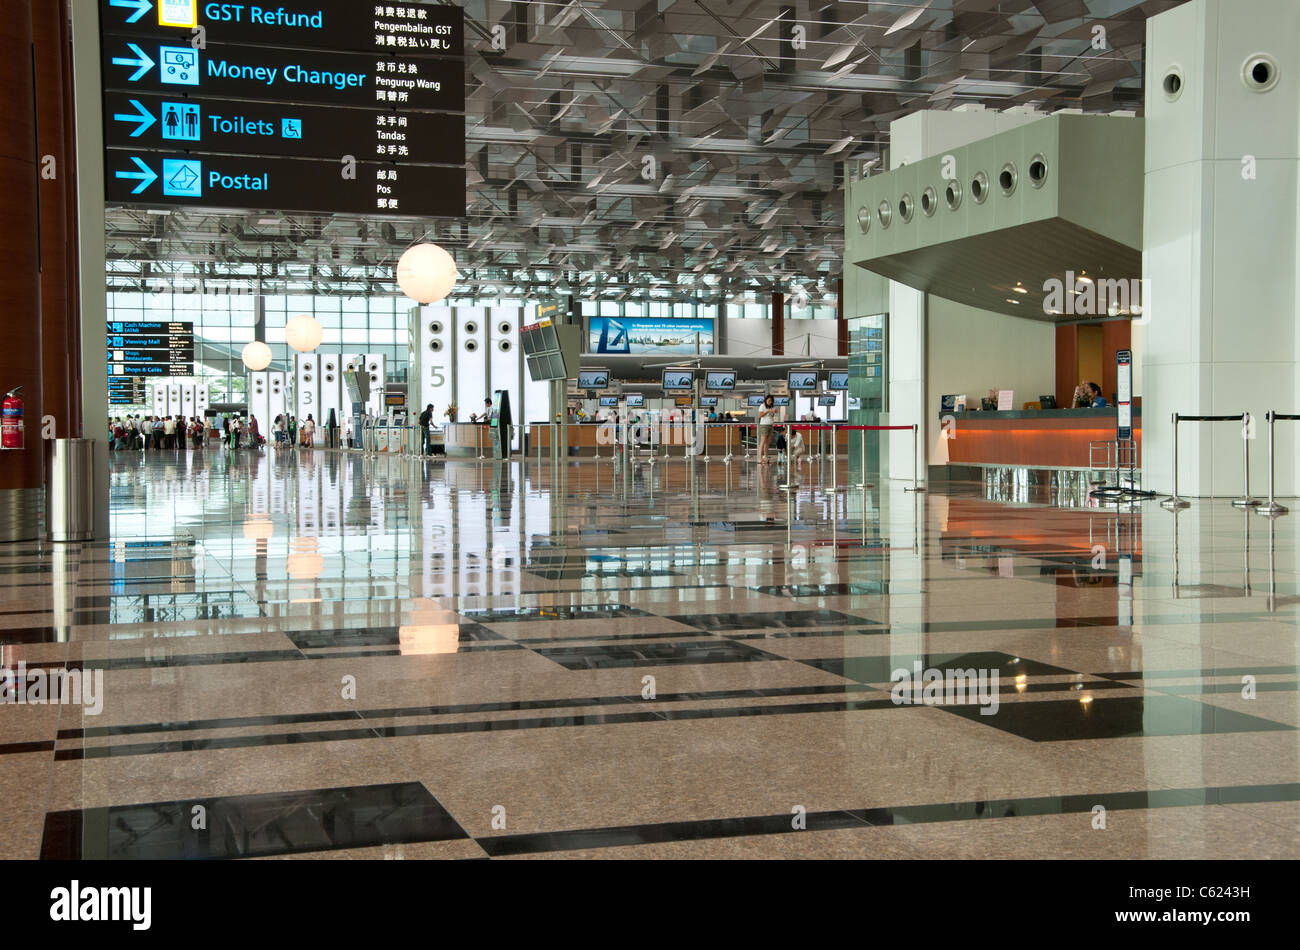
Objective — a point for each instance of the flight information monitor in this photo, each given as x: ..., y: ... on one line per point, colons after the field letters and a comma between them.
x: 827, y: 400
x: 609, y: 400
x: 721, y: 380
x: 593, y: 379
x: 839, y: 381
x: 802, y: 380
x: 635, y: 400
x: 781, y: 400
x: 677, y: 380
x: 756, y: 399
x: 708, y: 402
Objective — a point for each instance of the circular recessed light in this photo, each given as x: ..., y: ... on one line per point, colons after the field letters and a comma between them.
x: 864, y: 219
x: 884, y: 213
x: 905, y: 207
x: 979, y: 187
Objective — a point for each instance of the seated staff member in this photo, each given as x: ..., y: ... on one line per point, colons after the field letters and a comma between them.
x: 1098, y: 400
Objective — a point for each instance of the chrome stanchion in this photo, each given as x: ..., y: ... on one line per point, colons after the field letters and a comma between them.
x: 727, y: 458
x: 1245, y: 501
x: 916, y: 461
x: 1175, y: 502
x: 788, y: 484
x: 479, y: 430
x: 1271, y: 508
x: 863, y: 473
x: 704, y: 432
x: 835, y: 462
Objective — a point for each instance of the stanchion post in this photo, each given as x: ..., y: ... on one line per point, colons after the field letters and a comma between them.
x: 1245, y: 501
x: 479, y: 430
x: 1175, y: 502
x: 863, y: 473
x: 727, y: 458
x: 835, y: 462
x: 1271, y: 508
x: 916, y: 461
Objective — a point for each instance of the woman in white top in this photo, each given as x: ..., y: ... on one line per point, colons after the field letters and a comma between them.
x: 308, y: 430
x: 766, y: 416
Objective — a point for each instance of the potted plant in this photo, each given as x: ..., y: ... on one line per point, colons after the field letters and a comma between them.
x: 450, y: 414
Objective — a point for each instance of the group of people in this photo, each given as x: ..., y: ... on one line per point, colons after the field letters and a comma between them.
x: 288, y: 430
x: 234, y: 430
x: 143, y: 433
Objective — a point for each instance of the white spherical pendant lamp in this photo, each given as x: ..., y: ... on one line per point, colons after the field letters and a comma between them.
x: 303, y: 333
x: 426, y: 273
x: 257, y: 356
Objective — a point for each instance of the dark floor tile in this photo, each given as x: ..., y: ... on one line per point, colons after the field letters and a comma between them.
x: 758, y: 621
x: 652, y: 654
x: 1114, y: 717
x: 248, y: 826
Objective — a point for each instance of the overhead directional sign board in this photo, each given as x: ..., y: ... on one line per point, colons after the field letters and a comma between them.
x: 259, y: 72
x: 332, y: 105
x: 315, y: 24
x: 285, y: 184
x: 127, y: 391
x: 148, y: 348
x: 148, y: 120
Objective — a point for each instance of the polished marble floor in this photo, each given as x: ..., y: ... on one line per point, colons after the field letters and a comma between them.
x: 321, y: 654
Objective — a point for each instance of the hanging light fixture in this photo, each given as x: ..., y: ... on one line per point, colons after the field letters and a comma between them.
x: 426, y: 273
x: 256, y: 356
x: 303, y: 333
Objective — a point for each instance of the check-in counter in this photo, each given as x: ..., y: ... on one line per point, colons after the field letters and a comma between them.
x: 463, y: 439
x: 1031, y: 438
x: 678, y: 436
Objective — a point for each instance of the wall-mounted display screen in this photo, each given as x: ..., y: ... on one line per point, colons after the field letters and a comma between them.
x: 678, y: 379
x: 635, y: 400
x: 722, y: 380
x: 756, y: 399
x: 839, y: 381
x: 780, y: 400
x: 609, y: 400
x: 802, y: 380
x: 593, y: 379
x: 708, y: 402
x: 827, y: 400
x: 641, y: 335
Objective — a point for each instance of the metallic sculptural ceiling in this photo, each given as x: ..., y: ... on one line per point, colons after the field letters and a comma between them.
x: 666, y: 149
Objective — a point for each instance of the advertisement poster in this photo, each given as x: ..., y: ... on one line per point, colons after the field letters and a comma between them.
x: 647, y: 335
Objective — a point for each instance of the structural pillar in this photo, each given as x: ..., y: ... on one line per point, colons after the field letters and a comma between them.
x: 841, y: 324
x: 1220, y: 225
x: 778, y: 323
x: 56, y: 148
x: 1067, y: 364
x: 21, y: 470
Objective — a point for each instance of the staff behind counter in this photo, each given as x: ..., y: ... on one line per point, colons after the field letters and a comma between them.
x: 1087, y: 395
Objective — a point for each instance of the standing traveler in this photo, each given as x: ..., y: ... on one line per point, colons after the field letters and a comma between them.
x: 426, y: 440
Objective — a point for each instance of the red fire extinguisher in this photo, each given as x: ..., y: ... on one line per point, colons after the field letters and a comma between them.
x: 11, y: 420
